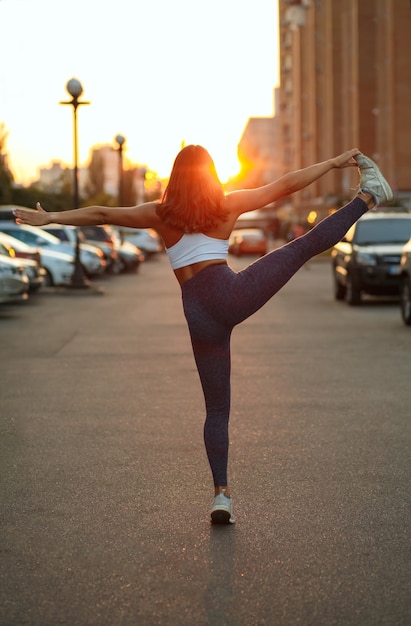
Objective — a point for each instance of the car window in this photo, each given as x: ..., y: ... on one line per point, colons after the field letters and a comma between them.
x: 18, y: 233
x: 383, y: 231
x: 32, y: 238
x: 81, y: 236
x: 97, y: 233
x: 30, y: 235
x: 91, y: 232
x: 43, y: 236
x: 58, y: 232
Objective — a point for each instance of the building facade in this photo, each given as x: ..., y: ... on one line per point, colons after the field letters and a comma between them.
x: 345, y: 81
x: 257, y: 153
x: 56, y: 177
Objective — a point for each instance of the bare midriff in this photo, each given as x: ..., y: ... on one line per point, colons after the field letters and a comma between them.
x: 183, y: 274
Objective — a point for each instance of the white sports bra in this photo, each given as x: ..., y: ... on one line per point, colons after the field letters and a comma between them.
x: 196, y: 247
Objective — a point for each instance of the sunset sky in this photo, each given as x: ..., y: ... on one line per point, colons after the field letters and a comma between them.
x: 158, y: 72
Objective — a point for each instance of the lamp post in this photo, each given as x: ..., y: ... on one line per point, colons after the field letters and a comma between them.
x: 120, y: 140
x: 75, y: 89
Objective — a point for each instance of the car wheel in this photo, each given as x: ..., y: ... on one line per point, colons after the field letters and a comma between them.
x: 352, y: 292
x: 117, y: 267
x: 123, y: 267
x: 85, y: 272
x: 339, y: 289
x: 48, y: 280
x: 405, y: 300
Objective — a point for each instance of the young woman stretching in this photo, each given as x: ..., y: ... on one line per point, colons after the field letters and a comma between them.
x: 195, y: 219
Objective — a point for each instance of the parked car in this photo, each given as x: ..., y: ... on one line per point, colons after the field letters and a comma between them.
x: 14, y: 284
x: 59, y: 267
x: 34, y: 272
x: 367, y: 259
x: 68, y: 234
x: 103, y: 237
x: 146, y: 239
x: 21, y: 249
x: 405, y: 283
x: 39, y: 238
x: 130, y: 257
x: 248, y: 241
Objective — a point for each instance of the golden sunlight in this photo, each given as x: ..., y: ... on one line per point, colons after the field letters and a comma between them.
x: 227, y: 165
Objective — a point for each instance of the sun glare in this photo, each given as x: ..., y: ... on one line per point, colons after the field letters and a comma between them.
x: 227, y: 166
x: 213, y: 90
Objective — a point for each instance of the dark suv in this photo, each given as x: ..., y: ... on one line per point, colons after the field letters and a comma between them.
x: 405, y: 283
x: 367, y: 259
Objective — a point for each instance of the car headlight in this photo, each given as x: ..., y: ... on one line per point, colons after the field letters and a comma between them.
x: 363, y: 258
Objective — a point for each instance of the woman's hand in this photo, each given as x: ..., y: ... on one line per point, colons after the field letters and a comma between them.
x: 346, y: 159
x: 39, y: 217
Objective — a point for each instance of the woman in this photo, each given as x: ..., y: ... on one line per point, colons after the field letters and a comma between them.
x: 195, y: 219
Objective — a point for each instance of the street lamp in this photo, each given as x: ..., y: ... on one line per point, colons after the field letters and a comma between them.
x: 75, y: 89
x: 120, y: 140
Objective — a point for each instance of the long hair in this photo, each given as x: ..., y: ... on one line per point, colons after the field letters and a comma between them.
x: 193, y: 198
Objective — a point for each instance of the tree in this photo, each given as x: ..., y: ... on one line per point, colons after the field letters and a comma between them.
x: 6, y: 177
x: 29, y: 196
x: 95, y: 184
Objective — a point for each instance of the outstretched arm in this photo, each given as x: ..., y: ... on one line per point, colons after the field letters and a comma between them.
x: 251, y: 199
x: 141, y: 216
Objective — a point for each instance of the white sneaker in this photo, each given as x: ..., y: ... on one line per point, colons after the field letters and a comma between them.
x: 222, y: 511
x: 372, y: 181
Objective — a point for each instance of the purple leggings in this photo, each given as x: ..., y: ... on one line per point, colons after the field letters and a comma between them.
x: 217, y: 299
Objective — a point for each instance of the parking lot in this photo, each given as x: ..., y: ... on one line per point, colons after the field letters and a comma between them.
x: 105, y: 487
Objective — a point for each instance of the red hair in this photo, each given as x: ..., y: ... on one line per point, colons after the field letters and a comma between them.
x: 193, y: 198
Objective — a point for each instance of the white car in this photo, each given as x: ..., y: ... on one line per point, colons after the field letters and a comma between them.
x: 58, y: 267
x: 37, y: 237
x: 34, y: 272
x: 146, y: 239
x: 68, y: 234
x: 14, y: 283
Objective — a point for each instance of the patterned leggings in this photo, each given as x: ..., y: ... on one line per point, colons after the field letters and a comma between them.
x: 217, y: 299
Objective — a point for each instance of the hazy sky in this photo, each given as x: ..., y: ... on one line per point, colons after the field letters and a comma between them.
x: 156, y: 71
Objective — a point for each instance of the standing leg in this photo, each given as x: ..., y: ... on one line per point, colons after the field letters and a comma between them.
x: 211, y: 347
x: 210, y: 340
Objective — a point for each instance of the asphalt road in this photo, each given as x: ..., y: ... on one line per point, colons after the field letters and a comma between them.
x: 105, y: 487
